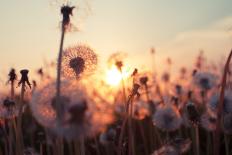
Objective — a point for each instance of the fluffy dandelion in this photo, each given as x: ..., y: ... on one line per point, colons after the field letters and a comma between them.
x: 78, y: 60
x: 205, y: 80
x: 8, y: 109
x: 80, y: 116
x: 167, y: 118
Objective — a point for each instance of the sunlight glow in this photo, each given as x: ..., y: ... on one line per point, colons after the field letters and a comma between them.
x: 114, y: 77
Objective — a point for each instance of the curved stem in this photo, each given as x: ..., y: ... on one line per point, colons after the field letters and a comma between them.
x: 220, y: 107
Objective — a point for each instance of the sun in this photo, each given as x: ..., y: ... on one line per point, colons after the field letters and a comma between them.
x: 114, y: 76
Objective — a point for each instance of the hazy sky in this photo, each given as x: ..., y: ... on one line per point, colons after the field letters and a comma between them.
x: 29, y: 30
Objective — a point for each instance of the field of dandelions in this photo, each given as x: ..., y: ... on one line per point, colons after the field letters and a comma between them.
x: 148, y: 113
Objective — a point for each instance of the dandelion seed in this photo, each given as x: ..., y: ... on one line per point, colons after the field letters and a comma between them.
x: 78, y: 60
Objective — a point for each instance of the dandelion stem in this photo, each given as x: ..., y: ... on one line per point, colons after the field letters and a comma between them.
x: 19, y: 138
x: 227, y: 144
x: 197, y: 140
x: 143, y: 137
x: 58, y: 106
x: 220, y: 107
x: 208, y: 151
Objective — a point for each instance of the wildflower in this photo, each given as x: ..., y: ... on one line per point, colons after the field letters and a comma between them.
x: 78, y: 60
x: 214, y: 101
x: 205, y: 80
x: 208, y: 120
x: 24, y: 78
x: 167, y: 118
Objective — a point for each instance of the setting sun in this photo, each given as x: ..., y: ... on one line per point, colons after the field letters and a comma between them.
x: 114, y: 77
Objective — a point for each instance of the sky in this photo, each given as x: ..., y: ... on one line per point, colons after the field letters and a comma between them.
x: 30, y: 33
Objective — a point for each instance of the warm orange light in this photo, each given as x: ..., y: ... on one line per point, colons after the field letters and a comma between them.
x: 114, y: 76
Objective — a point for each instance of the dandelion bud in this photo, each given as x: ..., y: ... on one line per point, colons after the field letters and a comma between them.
x: 24, y: 78
x: 12, y: 75
x: 66, y: 12
x: 193, y: 114
x: 135, y: 89
x: 119, y: 65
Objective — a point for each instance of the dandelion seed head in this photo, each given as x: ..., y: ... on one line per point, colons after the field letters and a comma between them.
x: 78, y: 60
x: 205, y: 80
x: 214, y: 101
x: 80, y: 116
x: 167, y: 118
